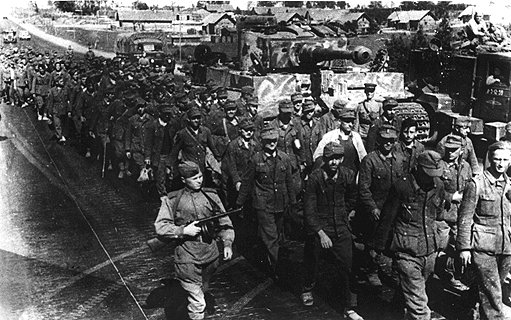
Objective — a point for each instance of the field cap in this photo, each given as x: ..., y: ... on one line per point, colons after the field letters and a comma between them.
x: 429, y: 160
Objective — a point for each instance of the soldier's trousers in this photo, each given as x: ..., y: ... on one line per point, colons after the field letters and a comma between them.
x: 491, y: 271
x: 195, y: 281
x: 270, y: 230
x: 161, y: 175
x: 341, y: 254
x: 413, y: 274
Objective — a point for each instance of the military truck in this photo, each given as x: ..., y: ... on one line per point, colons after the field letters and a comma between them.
x: 132, y: 45
x: 466, y: 83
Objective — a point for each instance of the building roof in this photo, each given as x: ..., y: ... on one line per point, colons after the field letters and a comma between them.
x: 287, y: 16
x: 279, y: 10
x: 145, y: 15
x: 349, y: 16
x: 469, y: 11
x: 407, y: 16
x: 213, y: 18
x: 219, y: 7
x: 326, y: 14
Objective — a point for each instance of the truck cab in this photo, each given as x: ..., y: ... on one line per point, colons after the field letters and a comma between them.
x: 491, y: 87
x: 133, y: 45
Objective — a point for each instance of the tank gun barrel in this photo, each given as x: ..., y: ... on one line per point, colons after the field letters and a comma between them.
x: 314, y: 54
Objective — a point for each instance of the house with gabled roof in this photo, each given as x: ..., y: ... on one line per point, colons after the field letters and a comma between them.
x: 215, y: 22
x: 412, y: 20
x: 288, y: 17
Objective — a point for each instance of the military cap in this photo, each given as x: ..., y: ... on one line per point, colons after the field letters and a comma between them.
x: 308, y: 105
x: 222, y: 93
x: 247, y: 124
x: 269, y: 133
x: 347, y: 114
x: 387, y: 131
x: 165, y: 108
x: 505, y: 145
x: 285, y: 106
x: 188, y: 169
x: 369, y: 87
x: 429, y: 160
x: 453, y: 141
x: 193, y: 112
x: 333, y: 149
x: 254, y: 101
x: 340, y: 104
x: 462, y: 121
x: 247, y: 90
x: 267, y: 114
x: 389, y: 103
x: 230, y: 105
x: 297, y: 97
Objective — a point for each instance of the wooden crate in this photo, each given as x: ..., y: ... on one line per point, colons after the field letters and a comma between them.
x: 494, y: 131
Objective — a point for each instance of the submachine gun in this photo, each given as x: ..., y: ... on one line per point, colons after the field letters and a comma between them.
x: 209, y: 228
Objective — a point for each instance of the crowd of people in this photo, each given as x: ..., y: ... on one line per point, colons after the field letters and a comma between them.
x: 349, y: 173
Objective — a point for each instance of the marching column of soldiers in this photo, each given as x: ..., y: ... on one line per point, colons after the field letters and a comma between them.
x: 349, y: 177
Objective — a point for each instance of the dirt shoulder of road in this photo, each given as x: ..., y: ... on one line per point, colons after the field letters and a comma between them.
x: 64, y: 43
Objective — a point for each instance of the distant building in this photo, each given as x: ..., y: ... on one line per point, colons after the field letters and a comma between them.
x: 412, y: 20
x: 145, y: 19
x: 468, y: 13
x: 215, y: 22
x: 218, y: 7
x: 360, y: 19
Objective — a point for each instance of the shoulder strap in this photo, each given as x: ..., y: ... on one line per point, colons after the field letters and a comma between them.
x: 195, y: 139
x: 224, y: 122
x: 212, y: 202
x: 178, y: 199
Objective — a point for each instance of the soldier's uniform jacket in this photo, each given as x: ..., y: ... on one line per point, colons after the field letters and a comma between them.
x: 242, y: 109
x: 237, y: 157
x: 366, y: 114
x: 55, y: 75
x: 85, y: 105
x: 58, y: 101
x: 41, y: 84
x: 310, y: 142
x: 327, y: 203
x: 468, y: 153
x: 413, y: 213
x: 376, y: 175
x: 134, y: 141
x: 456, y: 177
x: 184, y: 206
x: 269, y: 182
x: 102, y: 119
x: 484, y: 217
x: 287, y: 142
x: 408, y: 155
x: 326, y: 123
x: 193, y: 146
x: 372, y: 134
x: 154, y: 134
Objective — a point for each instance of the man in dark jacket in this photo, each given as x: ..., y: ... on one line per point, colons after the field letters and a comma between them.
x: 408, y: 147
x: 157, y: 148
x: 484, y: 220
x: 388, y: 117
x: 378, y: 170
x: 416, y: 203
x: 330, y: 198
x: 269, y: 181
x: 192, y: 141
x: 235, y: 161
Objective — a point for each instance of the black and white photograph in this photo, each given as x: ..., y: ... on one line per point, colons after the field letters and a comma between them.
x: 255, y: 160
